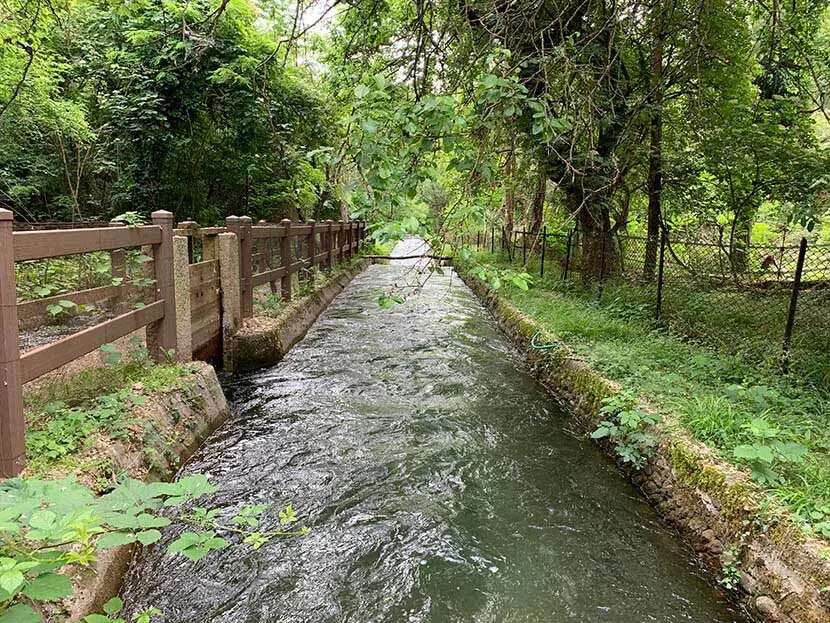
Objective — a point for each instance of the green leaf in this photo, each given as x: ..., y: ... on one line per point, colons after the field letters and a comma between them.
x: 42, y: 519
x: 113, y: 606
x: 20, y: 613
x: 148, y: 536
x: 49, y: 587
x: 116, y: 539
x: 11, y: 581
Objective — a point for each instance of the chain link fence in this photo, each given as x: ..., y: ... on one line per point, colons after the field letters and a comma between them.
x: 767, y: 304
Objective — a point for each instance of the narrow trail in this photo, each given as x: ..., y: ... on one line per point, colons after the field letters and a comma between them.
x: 436, y: 479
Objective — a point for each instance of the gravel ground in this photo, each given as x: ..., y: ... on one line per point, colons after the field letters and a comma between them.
x: 48, y: 333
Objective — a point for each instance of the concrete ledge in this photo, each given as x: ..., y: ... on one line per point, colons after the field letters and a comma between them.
x: 732, y: 525
x: 184, y: 418
x: 263, y: 341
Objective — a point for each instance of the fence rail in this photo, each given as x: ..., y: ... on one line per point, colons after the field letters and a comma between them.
x: 198, y: 284
x: 769, y: 303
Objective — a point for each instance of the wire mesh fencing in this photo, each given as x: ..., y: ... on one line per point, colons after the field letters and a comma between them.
x: 769, y: 304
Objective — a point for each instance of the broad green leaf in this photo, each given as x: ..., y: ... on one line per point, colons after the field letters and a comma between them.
x: 20, y: 613
x: 49, y: 587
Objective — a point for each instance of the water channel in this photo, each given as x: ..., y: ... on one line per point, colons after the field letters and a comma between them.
x: 437, y: 480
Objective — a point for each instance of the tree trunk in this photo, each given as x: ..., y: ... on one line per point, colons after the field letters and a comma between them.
x: 739, y: 241
x: 599, y: 255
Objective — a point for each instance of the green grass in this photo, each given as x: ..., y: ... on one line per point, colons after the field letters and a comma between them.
x: 721, y: 395
x: 65, y: 417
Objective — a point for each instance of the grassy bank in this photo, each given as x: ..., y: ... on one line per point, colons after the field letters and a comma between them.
x: 775, y: 426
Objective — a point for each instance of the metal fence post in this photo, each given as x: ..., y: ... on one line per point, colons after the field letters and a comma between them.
x: 788, y: 331
x: 658, y: 308
x: 161, y: 335
x: 568, y: 254
x: 12, y: 422
x: 602, y: 252
x: 544, y: 242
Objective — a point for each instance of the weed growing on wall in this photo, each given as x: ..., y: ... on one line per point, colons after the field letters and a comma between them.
x: 628, y: 429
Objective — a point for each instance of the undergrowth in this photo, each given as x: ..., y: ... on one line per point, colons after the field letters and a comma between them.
x: 773, y: 425
x: 66, y: 416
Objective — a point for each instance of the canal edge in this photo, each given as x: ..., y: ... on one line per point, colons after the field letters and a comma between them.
x: 732, y: 526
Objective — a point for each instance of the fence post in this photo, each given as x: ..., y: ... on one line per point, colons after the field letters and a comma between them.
x: 524, y: 248
x: 118, y: 271
x: 544, y: 244
x: 493, y: 239
x: 788, y: 331
x: 602, y: 252
x: 209, y: 247
x: 12, y: 422
x: 228, y: 253
x: 312, y: 243
x: 161, y: 335
x: 330, y: 240
x: 246, y: 256
x: 181, y: 277
x: 285, y: 259
x: 268, y: 252
x: 658, y: 309
x: 568, y: 254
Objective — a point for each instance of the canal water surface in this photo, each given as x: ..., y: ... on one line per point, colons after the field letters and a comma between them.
x: 436, y: 478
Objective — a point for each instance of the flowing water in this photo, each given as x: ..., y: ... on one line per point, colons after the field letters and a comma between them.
x: 436, y: 478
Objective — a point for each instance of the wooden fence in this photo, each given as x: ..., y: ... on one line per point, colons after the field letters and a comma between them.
x: 200, y: 282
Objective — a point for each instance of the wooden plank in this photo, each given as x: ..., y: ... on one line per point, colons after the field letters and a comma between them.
x: 299, y: 229
x: 203, y: 273
x: 260, y: 232
x: 206, y: 307
x: 36, y: 308
x: 204, y: 335
x: 295, y: 266
x: 269, y: 275
x: 39, y: 361
x: 36, y: 245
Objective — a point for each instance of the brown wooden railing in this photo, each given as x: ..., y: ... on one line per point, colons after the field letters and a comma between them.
x: 202, y: 282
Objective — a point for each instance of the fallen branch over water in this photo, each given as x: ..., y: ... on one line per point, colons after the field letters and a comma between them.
x: 445, y: 258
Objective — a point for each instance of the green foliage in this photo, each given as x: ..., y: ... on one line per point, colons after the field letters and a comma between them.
x: 768, y: 449
x: 188, y: 107
x: 65, y: 418
x: 47, y: 526
x: 627, y: 428
x: 387, y: 302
